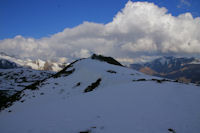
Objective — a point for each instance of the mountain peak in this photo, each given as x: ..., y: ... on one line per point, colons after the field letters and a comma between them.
x: 109, y: 60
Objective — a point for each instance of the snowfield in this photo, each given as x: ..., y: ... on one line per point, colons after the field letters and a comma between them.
x: 117, y: 100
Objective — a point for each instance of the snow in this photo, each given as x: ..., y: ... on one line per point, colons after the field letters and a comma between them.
x: 17, y: 78
x: 117, y: 105
x: 37, y: 64
x: 196, y: 61
x: 164, y: 60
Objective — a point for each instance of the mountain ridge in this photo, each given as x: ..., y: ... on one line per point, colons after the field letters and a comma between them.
x: 33, y: 64
x: 183, y: 69
x: 93, y: 96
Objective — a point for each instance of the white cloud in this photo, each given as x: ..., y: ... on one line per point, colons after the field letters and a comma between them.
x: 125, y: 60
x: 183, y: 3
x: 83, y: 53
x: 140, y: 28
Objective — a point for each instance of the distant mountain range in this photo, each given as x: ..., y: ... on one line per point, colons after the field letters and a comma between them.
x: 10, y: 61
x: 182, y: 69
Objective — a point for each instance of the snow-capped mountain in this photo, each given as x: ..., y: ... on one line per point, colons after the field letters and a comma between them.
x: 94, y: 96
x: 34, y: 64
x: 183, y: 69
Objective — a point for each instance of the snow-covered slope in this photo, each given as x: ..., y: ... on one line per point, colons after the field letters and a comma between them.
x: 16, y: 79
x: 34, y: 64
x: 91, y: 96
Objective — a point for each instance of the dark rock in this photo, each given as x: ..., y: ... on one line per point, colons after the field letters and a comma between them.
x: 109, y: 60
x: 93, y: 86
x: 111, y: 71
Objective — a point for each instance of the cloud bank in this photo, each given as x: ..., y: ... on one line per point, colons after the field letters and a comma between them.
x: 141, y: 28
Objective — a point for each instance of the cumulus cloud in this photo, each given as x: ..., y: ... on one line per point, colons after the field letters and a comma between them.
x: 83, y: 53
x: 126, y: 60
x: 141, y: 28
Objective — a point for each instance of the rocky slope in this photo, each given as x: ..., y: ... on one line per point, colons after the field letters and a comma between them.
x: 14, y: 80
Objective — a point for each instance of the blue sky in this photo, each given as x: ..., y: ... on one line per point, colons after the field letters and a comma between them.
x: 52, y: 29
x: 42, y: 18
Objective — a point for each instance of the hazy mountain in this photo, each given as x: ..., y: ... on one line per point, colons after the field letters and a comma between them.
x: 183, y: 69
x: 7, y: 61
x: 99, y: 95
x: 6, y: 64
